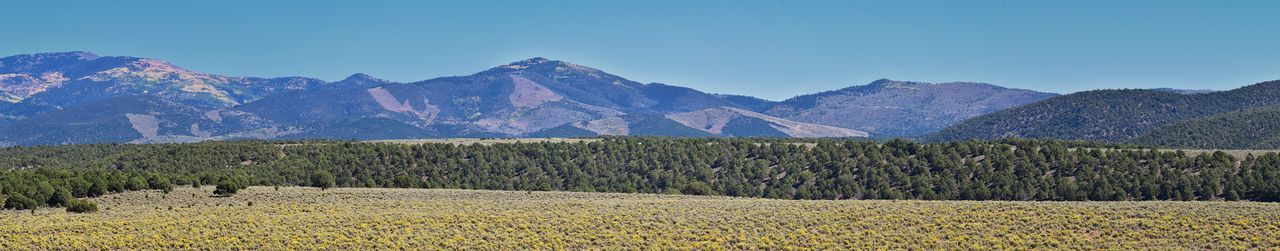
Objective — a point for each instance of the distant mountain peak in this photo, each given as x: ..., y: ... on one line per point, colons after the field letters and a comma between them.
x: 547, y: 67
x: 528, y: 63
x: 537, y: 60
x: 362, y: 77
x: 896, y: 108
x: 156, y: 64
x: 358, y: 80
x: 882, y: 84
x: 885, y: 83
x: 39, y: 62
x: 82, y: 55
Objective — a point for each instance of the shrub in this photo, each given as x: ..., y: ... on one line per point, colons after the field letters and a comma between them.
x: 406, y: 181
x: 697, y: 188
x: 226, y: 187
x: 160, y: 183
x: 20, y: 202
x: 61, y: 196
x: 323, y: 180
x: 136, y: 183
x: 82, y: 206
x: 98, y: 188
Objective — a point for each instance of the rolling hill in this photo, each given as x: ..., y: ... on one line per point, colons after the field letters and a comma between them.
x: 889, y: 108
x: 1107, y: 115
x: 1255, y: 128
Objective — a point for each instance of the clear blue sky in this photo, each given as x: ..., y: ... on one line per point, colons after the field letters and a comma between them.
x: 770, y: 49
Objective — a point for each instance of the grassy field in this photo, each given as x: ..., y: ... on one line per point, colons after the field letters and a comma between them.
x: 1238, y: 154
x: 347, y: 219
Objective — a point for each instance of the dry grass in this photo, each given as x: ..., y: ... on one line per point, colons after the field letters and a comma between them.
x: 362, y: 219
x: 1238, y: 154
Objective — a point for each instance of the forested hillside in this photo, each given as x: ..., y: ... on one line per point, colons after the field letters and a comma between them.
x: 789, y: 169
x: 1257, y: 128
x: 1107, y: 115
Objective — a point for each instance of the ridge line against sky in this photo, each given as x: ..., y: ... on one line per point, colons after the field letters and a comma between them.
x: 768, y: 49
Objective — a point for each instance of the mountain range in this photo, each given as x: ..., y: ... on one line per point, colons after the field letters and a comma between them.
x: 80, y: 97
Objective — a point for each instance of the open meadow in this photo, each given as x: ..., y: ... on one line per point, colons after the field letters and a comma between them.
x: 362, y: 219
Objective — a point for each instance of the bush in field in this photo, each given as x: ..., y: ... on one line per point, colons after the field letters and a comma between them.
x: 406, y: 181
x: 226, y: 187
x: 160, y: 183
x: 20, y: 202
x: 136, y: 183
x: 697, y: 188
x: 61, y: 197
x: 82, y: 206
x: 323, y: 180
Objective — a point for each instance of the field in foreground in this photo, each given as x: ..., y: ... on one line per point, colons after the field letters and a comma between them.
x: 307, y: 218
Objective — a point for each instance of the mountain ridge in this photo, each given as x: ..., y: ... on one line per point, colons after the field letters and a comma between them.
x: 1113, y: 115
x: 531, y: 97
x: 893, y: 108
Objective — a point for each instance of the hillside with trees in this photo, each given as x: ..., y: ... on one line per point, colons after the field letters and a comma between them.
x: 1107, y: 115
x: 783, y: 168
x: 1257, y: 128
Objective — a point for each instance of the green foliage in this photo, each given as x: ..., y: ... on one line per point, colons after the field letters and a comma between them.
x: 406, y: 181
x: 226, y: 187
x: 61, y: 197
x: 161, y: 183
x: 323, y: 180
x: 136, y: 183
x: 697, y: 188
x: 1107, y: 115
x: 20, y: 202
x: 82, y: 206
x: 1245, y: 129
x: 1012, y: 169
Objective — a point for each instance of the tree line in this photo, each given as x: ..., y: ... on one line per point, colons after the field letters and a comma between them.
x: 1011, y: 169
